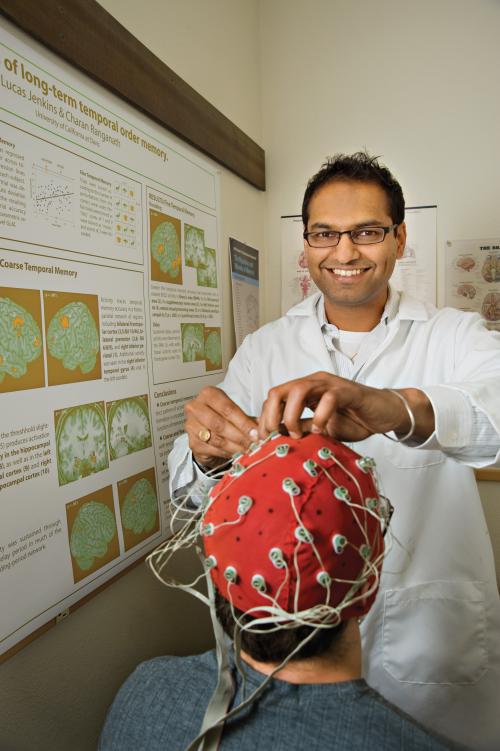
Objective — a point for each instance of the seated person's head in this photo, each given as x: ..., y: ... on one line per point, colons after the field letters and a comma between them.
x: 293, y: 541
x: 276, y: 645
x: 293, y: 546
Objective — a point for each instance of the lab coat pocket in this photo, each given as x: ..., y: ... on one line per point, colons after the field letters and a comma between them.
x: 407, y: 458
x: 435, y: 633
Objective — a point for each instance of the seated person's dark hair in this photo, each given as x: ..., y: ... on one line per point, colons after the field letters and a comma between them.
x: 278, y: 644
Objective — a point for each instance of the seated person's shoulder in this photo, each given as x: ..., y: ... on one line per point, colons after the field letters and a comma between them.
x: 155, y: 698
x: 162, y: 670
x: 395, y: 729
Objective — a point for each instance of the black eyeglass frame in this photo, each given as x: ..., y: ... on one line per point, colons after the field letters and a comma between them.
x: 349, y: 232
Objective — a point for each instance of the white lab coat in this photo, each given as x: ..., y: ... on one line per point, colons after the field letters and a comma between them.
x: 431, y: 642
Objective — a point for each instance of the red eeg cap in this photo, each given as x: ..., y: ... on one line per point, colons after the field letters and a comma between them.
x: 250, y: 514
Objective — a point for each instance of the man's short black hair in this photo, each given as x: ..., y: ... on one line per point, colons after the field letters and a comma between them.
x: 278, y: 644
x: 358, y: 167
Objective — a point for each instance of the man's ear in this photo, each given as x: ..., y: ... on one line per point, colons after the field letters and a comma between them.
x: 401, y: 239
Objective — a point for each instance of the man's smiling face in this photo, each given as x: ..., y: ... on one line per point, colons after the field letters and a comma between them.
x: 353, y: 276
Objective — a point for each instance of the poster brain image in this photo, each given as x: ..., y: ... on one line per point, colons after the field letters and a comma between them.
x: 73, y: 338
x: 21, y: 341
x: 138, y: 507
x: 92, y: 532
x: 166, y: 257
x: 72, y: 324
x: 194, y: 246
x: 81, y: 442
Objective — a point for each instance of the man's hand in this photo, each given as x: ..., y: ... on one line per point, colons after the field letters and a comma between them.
x: 231, y: 430
x: 343, y: 409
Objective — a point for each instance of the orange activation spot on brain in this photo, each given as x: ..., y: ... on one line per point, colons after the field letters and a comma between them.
x: 64, y: 321
x: 1, y: 360
x: 36, y: 342
x: 176, y: 262
x: 18, y: 322
x: 161, y: 248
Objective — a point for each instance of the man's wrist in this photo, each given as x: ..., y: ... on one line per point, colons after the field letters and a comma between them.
x: 421, y: 408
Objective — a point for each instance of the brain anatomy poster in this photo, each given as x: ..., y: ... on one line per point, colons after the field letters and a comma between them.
x: 473, y: 277
x: 110, y: 319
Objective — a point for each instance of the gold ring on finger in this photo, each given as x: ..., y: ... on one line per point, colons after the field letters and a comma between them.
x: 204, y: 435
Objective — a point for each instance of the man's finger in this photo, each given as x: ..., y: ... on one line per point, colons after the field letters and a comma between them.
x: 302, y: 394
x: 272, y: 412
x: 226, y: 409
x: 325, y: 412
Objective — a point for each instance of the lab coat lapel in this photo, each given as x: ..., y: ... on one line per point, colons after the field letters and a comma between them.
x: 311, y: 347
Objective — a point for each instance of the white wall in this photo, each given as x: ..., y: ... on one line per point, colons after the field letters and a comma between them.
x: 416, y: 83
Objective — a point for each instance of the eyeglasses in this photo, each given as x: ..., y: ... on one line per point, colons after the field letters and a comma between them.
x: 361, y: 236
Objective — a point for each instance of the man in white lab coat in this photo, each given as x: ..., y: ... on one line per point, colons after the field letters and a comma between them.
x: 417, y: 389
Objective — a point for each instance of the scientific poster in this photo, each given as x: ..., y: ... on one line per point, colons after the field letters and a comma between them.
x: 415, y: 272
x: 473, y: 277
x: 110, y: 319
x: 245, y: 287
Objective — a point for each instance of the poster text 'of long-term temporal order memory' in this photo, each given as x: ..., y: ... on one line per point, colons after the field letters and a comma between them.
x: 110, y: 319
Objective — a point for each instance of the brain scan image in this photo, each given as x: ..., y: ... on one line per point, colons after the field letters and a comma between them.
x: 467, y: 290
x: 140, y: 507
x: 491, y: 268
x: 20, y: 339
x: 73, y: 337
x: 213, y: 350
x: 93, y: 529
x: 81, y: 442
x: 129, y: 427
x: 466, y: 263
x: 165, y: 249
x: 194, y: 246
x: 193, y: 343
x: 491, y: 306
x: 207, y: 276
